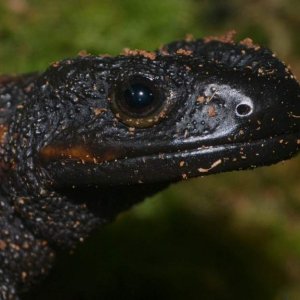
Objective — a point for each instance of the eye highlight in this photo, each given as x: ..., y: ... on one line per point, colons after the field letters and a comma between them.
x: 138, y: 96
x: 139, y: 102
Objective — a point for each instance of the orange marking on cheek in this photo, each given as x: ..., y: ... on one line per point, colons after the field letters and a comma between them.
x: 76, y: 153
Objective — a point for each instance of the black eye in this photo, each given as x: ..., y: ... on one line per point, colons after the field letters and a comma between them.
x: 138, y: 96
x: 139, y: 102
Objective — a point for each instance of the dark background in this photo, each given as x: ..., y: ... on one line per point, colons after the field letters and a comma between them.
x: 229, y: 236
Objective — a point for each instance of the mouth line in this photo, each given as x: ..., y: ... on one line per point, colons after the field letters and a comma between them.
x: 173, y: 166
x: 282, y: 140
x: 112, y: 154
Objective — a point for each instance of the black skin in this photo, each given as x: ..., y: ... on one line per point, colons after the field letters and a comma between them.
x: 76, y: 150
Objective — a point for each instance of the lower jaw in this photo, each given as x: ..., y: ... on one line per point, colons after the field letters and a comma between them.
x: 172, y: 167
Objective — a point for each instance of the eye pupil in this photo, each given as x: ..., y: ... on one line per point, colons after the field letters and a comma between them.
x: 138, y: 96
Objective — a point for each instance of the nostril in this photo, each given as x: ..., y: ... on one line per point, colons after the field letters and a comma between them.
x: 243, y: 110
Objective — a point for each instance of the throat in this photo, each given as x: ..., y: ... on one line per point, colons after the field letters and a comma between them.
x: 107, y: 202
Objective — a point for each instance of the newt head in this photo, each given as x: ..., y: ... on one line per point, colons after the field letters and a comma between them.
x: 91, y: 136
x: 140, y: 119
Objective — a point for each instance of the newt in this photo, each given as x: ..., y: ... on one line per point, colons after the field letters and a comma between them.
x: 91, y: 136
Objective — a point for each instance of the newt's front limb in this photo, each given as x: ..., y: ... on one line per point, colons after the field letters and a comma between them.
x: 24, y: 258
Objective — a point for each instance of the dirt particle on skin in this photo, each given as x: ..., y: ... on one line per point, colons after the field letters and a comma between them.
x: 294, y: 116
x: 162, y: 114
x: 28, y: 88
x: 55, y: 64
x: 184, y: 52
x: 181, y: 164
x: 249, y: 44
x: 260, y: 71
x: 186, y: 133
x: 227, y: 38
x: 21, y: 201
x: 212, y: 111
x: 14, y: 247
x: 189, y: 37
x: 83, y: 53
x: 104, y: 55
x: 44, y: 243
x: 213, y: 165
x: 161, y: 156
x: 3, y: 133
x: 184, y: 176
x: 3, y: 245
x: 264, y: 72
x: 201, y: 99
x: 24, y: 276
x: 137, y: 52
x: 163, y: 51
x: 25, y: 245
x: 99, y: 111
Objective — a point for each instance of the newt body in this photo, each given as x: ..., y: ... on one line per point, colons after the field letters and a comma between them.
x: 91, y: 136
